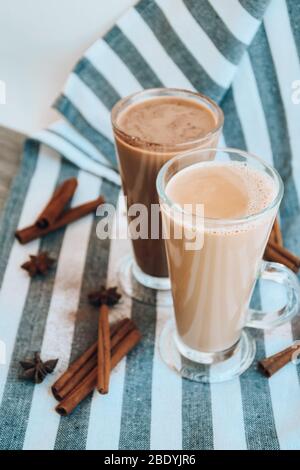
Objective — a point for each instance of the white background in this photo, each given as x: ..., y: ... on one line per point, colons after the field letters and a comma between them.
x: 40, y: 41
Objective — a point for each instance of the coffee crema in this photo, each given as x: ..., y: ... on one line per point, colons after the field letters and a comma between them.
x: 167, y: 120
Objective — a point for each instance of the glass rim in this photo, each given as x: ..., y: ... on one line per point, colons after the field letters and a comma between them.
x: 154, y: 92
x: 220, y: 221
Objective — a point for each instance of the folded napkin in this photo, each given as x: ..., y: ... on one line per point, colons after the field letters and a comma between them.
x: 189, y: 44
x: 248, y: 65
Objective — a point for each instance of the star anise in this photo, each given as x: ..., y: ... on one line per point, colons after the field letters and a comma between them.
x: 105, y: 296
x: 36, y: 370
x: 38, y: 265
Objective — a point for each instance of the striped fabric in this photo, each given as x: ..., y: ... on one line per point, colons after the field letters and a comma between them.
x: 248, y: 64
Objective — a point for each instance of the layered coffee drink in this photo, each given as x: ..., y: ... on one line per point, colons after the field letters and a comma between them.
x: 212, y: 286
x: 150, y: 128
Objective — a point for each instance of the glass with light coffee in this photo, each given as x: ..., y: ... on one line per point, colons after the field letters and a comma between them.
x: 150, y: 127
x: 218, y: 207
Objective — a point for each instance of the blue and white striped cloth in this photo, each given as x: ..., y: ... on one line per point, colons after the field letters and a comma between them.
x: 245, y: 55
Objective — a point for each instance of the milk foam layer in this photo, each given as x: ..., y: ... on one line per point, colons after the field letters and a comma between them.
x: 228, y: 190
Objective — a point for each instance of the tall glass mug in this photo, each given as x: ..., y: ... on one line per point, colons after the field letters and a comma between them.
x: 214, y: 262
x: 135, y: 118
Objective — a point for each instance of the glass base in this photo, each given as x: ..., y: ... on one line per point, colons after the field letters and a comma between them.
x: 142, y: 287
x: 205, y: 367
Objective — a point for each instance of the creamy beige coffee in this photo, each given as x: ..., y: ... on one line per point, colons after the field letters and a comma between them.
x: 212, y: 286
x: 147, y: 134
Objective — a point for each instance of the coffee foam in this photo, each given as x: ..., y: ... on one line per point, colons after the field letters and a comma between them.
x: 167, y: 120
x: 259, y: 186
x: 261, y: 192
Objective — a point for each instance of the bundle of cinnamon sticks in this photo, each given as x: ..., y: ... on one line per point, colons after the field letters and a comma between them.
x: 55, y: 215
x: 81, y: 377
x: 275, y: 251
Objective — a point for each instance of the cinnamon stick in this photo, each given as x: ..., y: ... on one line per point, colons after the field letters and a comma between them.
x: 273, y: 255
x: 28, y: 234
x: 272, y: 364
x: 103, y: 350
x: 124, y: 346
x: 82, y: 366
x: 57, y: 203
x: 77, y: 365
x: 272, y: 236
x: 277, y: 233
x: 66, y: 406
x: 76, y: 379
x: 284, y: 252
x: 125, y: 327
x: 279, y: 254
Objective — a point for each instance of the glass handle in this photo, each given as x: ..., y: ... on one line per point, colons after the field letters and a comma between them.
x: 279, y: 274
